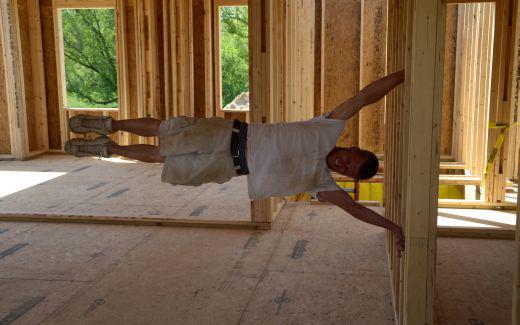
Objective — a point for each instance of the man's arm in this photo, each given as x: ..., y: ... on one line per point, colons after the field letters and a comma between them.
x: 358, y: 211
x: 369, y: 95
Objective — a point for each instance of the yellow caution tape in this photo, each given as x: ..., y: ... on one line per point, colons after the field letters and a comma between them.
x: 504, y: 127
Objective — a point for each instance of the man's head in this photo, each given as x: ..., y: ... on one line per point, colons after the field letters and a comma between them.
x: 353, y: 162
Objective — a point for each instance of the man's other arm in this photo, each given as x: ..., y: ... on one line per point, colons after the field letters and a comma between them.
x: 369, y: 95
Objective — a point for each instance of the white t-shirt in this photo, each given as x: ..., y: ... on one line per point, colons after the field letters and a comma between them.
x: 289, y: 158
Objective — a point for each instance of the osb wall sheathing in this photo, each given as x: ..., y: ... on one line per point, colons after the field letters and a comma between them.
x: 353, y: 55
x: 341, y: 60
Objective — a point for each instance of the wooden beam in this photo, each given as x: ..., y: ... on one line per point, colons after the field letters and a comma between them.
x: 423, y: 103
x: 183, y: 20
x: 122, y: 65
x: 513, y: 168
x: 516, y: 274
x: 319, y: 60
x: 38, y: 76
x: 471, y: 204
x: 208, y: 59
x: 137, y: 221
x: 14, y: 78
x: 459, y: 232
x: 267, y: 22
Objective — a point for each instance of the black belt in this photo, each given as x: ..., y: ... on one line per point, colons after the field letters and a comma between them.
x: 238, y: 147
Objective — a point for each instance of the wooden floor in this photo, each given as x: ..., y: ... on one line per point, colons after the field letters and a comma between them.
x: 474, y: 281
x: 317, y: 266
x: 70, y: 186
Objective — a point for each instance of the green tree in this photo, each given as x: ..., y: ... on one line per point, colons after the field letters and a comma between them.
x: 89, y: 43
x: 234, y: 48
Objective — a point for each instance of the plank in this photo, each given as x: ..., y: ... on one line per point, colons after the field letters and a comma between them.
x: 14, y: 78
x: 475, y: 233
x: 425, y: 67
x: 38, y: 76
x: 5, y: 136
x: 55, y: 218
x: 473, y: 204
x: 516, y: 274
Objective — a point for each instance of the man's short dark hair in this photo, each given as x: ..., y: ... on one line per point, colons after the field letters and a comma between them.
x: 370, y: 165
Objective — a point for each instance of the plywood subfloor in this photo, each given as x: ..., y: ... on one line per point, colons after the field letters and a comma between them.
x: 474, y: 281
x: 66, y: 185
x: 317, y: 266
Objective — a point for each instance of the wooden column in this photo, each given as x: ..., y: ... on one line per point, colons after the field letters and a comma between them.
x: 183, y: 20
x: 500, y: 100
x: 415, y: 42
x: 516, y: 274
x: 513, y: 161
x: 423, y: 103
x: 319, y: 67
x: 372, y: 67
x: 281, y: 52
x: 14, y: 79
x: 515, y: 86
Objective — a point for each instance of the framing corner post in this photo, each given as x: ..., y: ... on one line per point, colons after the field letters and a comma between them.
x: 14, y: 78
x: 423, y: 101
x: 516, y: 275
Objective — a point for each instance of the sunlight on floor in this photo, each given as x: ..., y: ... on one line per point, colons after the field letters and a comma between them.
x: 117, y: 160
x: 15, y: 181
x: 476, y: 218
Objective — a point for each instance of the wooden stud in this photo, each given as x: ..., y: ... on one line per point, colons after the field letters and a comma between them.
x: 41, y: 142
x: 425, y: 67
x: 516, y: 274
x: 5, y: 136
x: 14, y: 79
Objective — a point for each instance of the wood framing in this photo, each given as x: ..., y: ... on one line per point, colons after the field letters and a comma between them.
x: 516, y: 274
x: 416, y: 43
x: 500, y: 108
x: 424, y: 77
x: 513, y: 160
x: 14, y: 79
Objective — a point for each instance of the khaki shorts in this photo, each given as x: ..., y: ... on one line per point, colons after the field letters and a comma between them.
x: 197, y: 150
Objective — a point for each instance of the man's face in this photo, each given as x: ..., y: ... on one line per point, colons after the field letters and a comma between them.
x: 346, y: 161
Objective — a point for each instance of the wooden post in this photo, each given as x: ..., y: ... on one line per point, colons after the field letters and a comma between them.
x: 14, y: 79
x: 38, y: 76
x: 319, y: 67
x: 516, y: 281
x: 208, y: 58
x: 122, y: 71
x: 514, y: 135
x: 499, y: 109
x: 423, y: 103
x: 372, y: 67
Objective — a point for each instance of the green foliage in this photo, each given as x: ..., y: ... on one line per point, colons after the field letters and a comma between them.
x: 89, y: 45
x: 234, y: 50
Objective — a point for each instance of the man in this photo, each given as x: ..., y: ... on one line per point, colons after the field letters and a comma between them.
x: 279, y: 159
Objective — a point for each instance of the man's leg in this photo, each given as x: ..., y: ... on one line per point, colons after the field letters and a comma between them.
x: 146, y: 127
x: 142, y: 152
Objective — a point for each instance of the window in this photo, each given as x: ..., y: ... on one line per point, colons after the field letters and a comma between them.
x: 232, y: 55
x: 87, y: 57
